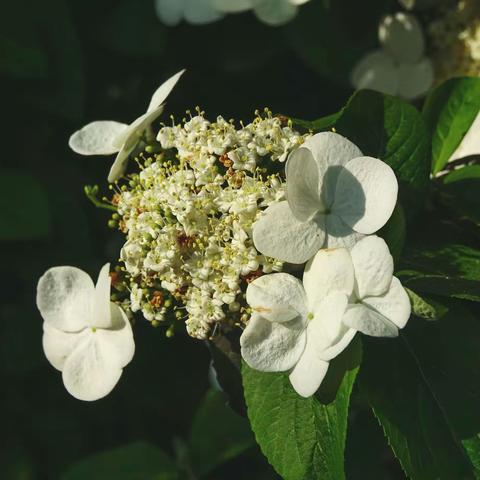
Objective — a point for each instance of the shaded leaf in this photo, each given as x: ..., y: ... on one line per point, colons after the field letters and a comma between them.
x: 449, y: 111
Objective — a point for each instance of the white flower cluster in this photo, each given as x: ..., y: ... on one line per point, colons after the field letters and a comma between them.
x: 188, y: 218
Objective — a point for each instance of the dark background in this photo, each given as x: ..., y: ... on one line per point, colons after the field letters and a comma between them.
x: 66, y: 63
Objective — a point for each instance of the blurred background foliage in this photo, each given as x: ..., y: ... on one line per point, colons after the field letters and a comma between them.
x: 63, y: 64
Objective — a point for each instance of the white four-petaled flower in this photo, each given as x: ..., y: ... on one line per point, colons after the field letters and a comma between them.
x: 106, y: 137
x: 271, y: 12
x: 302, y: 327
x: 196, y: 12
x: 399, y: 67
x: 334, y: 196
x: 85, y: 336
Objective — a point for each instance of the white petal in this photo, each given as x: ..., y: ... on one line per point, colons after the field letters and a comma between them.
x: 271, y: 346
x: 201, y: 12
x: 278, y: 234
x: 366, y: 194
x: 365, y: 320
x: 373, y: 266
x: 119, y: 335
x: 414, y: 79
x: 170, y: 12
x: 326, y: 333
x: 278, y: 297
x: 275, y: 12
x: 101, y: 315
x: 470, y: 144
x: 339, y: 234
x: 376, y: 71
x: 120, y: 164
x: 232, y: 6
x: 58, y: 345
x: 304, y: 184
x: 92, y: 369
x: 65, y: 298
x: 401, y: 35
x: 330, y: 270
x: 308, y: 374
x: 394, y: 305
x: 129, y: 138
x: 330, y: 150
x: 97, y: 138
x: 163, y: 91
x: 327, y: 337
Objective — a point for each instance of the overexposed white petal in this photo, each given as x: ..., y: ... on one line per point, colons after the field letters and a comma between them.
x: 163, y: 91
x: 119, y: 335
x: 119, y: 165
x: 58, y: 345
x: 414, y: 79
x: 308, y: 373
x: 101, y: 315
x: 330, y: 270
x: 97, y: 138
x: 366, y: 194
x: 92, y: 369
x: 278, y: 297
x: 376, y: 71
x: 394, y: 304
x: 368, y: 321
x: 278, y: 234
x: 304, y: 184
x: 373, y: 266
x: 271, y: 346
x: 65, y: 298
x: 401, y: 35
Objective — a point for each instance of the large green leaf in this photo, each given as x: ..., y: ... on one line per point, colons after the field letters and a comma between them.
x: 388, y: 128
x: 424, y: 389
x: 459, y: 192
x: 302, y: 438
x: 137, y: 461
x: 24, y: 206
x: 449, y: 111
x: 218, y: 434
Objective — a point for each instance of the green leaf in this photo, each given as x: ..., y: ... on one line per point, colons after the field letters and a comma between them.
x: 218, y: 434
x: 427, y: 309
x: 459, y: 192
x: 24, y: 207
x: 390, y: 129
x: 323, y: 123
x: 301, y: 438
x: 449, y: 111
x: 424, y: 389
x: 136, y: 461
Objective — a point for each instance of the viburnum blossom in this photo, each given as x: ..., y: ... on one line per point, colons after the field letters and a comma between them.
x: 106, y: 137
x: 334, y: 196
x: 188, y: 216
x: 85, y: 336
x: 271, y: 12
x: 399, y: 67
x: 302, y: 327
x: 196, y: 12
